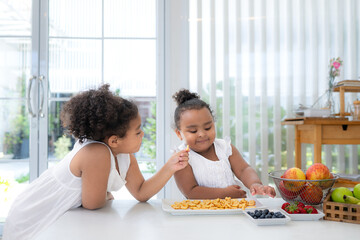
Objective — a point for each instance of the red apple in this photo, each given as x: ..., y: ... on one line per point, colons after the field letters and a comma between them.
x: 285, y: 193
x: 311, y: 194
x: 317, y: 171
x: 295, y: 174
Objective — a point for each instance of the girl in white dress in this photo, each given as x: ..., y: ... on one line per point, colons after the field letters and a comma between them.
x: 213, y: 163
x: 108, y: 131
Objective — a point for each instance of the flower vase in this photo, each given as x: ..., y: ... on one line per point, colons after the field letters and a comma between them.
x: 329, y: 102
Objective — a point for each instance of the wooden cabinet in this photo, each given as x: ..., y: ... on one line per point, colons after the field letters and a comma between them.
x: 319, y: 131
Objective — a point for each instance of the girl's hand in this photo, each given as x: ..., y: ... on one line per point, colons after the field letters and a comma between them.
x: 235, y: 191
x: 259, y: 189
x: 178, y: 160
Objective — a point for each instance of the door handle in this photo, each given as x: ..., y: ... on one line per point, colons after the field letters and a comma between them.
x: 33, y: 78
x: 41, y: 80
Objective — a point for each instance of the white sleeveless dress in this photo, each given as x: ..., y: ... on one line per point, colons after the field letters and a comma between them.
x: 52, y: 194
x: 214, y: 174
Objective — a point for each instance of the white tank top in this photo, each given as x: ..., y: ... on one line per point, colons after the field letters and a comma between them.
x: 215, y: 174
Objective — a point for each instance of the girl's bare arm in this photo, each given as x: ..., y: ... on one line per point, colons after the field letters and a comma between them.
x: 94, y: 164
x: 245, y: 173
x: 143, y: 189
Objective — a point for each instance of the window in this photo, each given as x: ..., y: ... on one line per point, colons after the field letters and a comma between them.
x: 70, y: 46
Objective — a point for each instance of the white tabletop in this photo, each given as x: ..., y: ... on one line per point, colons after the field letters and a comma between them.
x: 129, y: 219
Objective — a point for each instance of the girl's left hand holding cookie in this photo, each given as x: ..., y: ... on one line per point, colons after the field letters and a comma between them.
x: 179, y: 160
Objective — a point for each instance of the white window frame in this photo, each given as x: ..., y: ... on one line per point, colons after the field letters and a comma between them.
x: 176, y: 76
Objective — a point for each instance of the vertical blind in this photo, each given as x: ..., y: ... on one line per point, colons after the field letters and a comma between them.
x: 255, y: 61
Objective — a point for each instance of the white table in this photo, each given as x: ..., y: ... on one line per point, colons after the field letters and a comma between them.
x: 129, y: 219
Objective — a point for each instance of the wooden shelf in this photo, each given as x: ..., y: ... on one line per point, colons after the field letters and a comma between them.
x: 342, y: 90
x: 347, y: 89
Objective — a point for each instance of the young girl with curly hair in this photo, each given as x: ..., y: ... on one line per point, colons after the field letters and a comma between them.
x: 107, y: 129
x: 213, y: 163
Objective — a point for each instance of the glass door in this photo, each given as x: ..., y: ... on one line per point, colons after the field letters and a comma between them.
x: 51, y: 50
x: 72, y: 63
x: 15, y: 77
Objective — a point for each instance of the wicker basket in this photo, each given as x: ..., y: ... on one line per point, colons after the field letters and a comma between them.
x: 341, y: 212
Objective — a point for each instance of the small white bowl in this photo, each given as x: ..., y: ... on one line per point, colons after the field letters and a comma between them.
x: 268, y: 221
x: 304, y: 216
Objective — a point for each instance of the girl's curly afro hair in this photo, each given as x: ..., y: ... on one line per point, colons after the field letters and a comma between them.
x: 97, y: 114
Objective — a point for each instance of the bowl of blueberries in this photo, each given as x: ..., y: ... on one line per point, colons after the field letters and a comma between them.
x: 267, y: 217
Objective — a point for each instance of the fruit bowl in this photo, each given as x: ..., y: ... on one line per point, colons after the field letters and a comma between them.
x: 311, y: 192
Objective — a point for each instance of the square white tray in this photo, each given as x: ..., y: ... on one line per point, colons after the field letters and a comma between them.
x: 166, y: 206
x: 268, y: 221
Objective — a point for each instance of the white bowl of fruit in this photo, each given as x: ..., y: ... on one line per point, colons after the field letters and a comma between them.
x: 298, y: 211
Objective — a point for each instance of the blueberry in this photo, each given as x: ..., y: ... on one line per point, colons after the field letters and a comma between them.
x: 280, y: 214
x: 266, y: 211
x: 273, y: 216
x: 268, y: 216
x: 255, y: 217
x: 277, y: 214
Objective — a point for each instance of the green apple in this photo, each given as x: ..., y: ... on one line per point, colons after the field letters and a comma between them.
x: 357, y: 191
x: 338, y: 194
